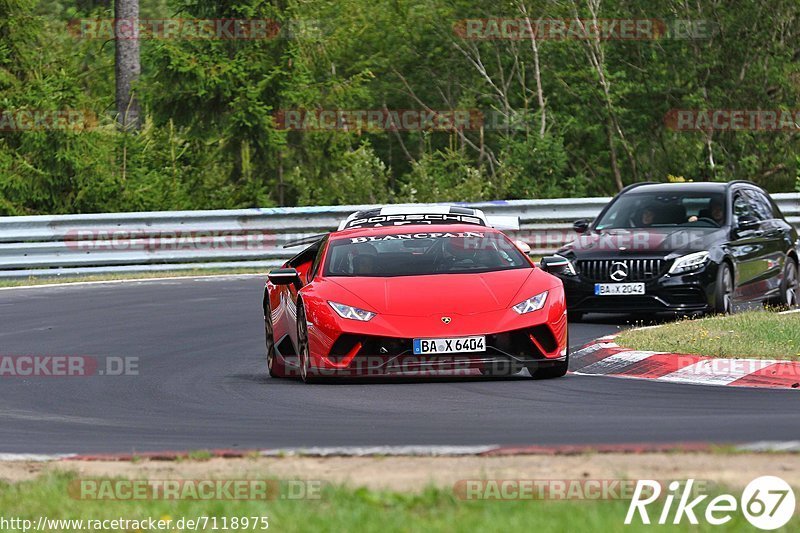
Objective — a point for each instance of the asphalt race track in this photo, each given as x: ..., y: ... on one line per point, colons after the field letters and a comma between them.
x: 202, y: 383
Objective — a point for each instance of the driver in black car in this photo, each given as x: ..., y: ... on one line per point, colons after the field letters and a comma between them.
x: 715, y: 212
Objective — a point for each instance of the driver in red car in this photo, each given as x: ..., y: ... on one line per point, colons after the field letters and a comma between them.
x: 364, y: 262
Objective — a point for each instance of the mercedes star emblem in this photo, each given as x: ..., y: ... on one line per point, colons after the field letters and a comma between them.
x: 619, y: 271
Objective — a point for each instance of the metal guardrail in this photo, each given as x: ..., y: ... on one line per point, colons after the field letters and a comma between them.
x: 68, y: 245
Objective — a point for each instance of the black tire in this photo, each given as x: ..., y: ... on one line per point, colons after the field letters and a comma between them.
x: 790, y: 285
x: 275, y: 363
x: 723, y: 292
x: 303, y: 353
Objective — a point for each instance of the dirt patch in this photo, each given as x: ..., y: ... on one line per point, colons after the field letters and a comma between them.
x: 415, y: 473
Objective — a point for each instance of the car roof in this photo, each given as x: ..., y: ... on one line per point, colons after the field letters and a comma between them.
x: 692, y: 186
x: 411, y: 228
x: 669, y: 188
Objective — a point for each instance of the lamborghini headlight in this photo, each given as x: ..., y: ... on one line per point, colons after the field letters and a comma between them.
x: 353, y: 313
x: 531, y: 304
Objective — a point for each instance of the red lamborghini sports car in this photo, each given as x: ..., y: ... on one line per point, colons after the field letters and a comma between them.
x: 433, y: 291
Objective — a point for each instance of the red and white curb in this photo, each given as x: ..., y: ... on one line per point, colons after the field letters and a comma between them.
x: 604, y: 357
x: 488, y: 450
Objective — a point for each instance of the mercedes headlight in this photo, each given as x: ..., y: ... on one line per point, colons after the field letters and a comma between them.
x: 688, y: 263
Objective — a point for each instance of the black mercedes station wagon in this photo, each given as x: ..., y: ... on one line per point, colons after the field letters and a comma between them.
x: 682, y: 248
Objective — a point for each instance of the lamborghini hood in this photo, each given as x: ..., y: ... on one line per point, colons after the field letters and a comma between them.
x: 465, y: 294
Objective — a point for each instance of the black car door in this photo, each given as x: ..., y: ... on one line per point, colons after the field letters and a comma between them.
x: 773, y: 228
x: 748, y: 247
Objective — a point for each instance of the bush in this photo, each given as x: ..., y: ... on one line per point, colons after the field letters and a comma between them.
x: 359, y: 177
x: 535, y: 167
x: 444, y: 176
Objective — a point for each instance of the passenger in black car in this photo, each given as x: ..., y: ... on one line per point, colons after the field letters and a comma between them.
x: 647, y: 217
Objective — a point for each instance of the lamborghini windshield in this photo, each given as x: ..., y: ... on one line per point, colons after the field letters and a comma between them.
x: 421, y: 253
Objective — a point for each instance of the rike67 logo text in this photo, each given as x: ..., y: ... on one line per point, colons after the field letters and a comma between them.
x: 768, y: 502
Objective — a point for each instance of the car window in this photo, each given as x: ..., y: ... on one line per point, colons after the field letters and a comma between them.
x: 317, y: 260
x: 304, y: 261
x: 304, y: 256
x: 743, y: 207
x: 762, y: 205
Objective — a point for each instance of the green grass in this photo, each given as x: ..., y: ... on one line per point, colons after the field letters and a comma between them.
x: 199, y: 455
x: 755, y: 334
x: 344, y: 509
x: 199, y: 272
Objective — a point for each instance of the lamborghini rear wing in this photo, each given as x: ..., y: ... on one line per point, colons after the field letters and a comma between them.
x: 400, y: 215
x: 503, y: 222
